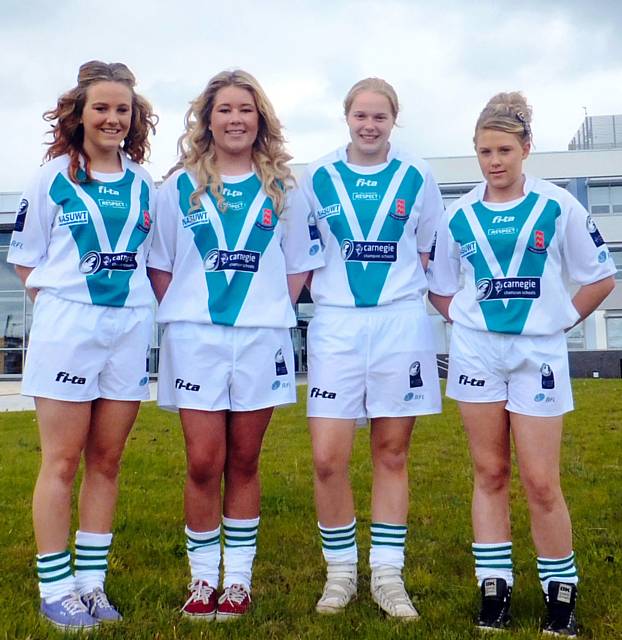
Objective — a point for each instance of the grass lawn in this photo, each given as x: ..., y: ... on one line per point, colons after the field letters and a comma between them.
x: 148, y: 574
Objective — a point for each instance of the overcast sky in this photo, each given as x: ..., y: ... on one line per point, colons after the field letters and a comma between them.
x: 445, y: 59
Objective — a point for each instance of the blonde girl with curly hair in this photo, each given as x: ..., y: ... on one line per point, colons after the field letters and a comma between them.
x: 80, y: 242
x: 231, y: 254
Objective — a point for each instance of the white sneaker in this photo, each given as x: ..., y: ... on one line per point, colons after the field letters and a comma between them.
x: 388, y: 592
x: 339, y: 589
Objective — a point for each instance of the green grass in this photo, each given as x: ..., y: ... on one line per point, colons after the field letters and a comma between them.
x: 148, y: 566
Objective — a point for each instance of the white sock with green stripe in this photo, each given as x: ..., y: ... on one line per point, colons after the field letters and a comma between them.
x: 203, y: 549
x: 387, y: 545
x: 339, y: 543
x: 493, y: 561
x: 557, y: 569
x: 240, y: 549
x: 55, y: 577
x: 91, y: 561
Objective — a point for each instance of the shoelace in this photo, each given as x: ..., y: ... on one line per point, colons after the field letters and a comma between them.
x: 73, y: 605
x: 200, y: 591
x: 395, y: 593
x: 236, y: 594
x: 100, y: 599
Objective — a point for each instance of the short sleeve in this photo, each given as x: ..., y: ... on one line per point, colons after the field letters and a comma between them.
x: 444, y: 265
x: 162, y: 252
x: 585, y: 255
x: 431, y: 212
x: 301, y: 243
x: 33, y: 223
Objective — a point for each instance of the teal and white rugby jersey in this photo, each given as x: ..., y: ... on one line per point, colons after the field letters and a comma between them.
x: 230, y: 267
x: 517, y: 259
x: 87, y: 242
x: 374, y: 222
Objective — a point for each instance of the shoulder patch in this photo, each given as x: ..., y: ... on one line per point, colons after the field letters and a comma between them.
x: 20, y: 219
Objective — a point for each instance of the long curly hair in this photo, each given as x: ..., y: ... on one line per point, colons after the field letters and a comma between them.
x: 197, y: 152
x: 68, y: 133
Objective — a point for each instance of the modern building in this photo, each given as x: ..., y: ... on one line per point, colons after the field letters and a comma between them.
x: 594, y: 176
x: 598, y: 132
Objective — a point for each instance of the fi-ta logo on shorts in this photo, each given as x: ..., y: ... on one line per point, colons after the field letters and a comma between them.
x: 188, y: 386
x: 67, y: 378
x: 319, y: 393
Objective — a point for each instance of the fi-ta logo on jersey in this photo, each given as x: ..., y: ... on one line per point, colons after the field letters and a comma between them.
x: 414, y: 373
x: 594, y: 232
x: 96, y: 261
x: 219, y: 260
x: 548, y: 379
x: 20, y: 219
x: 279, y: 363
x: 67, y: 378
x: 353, y: 250
x: 507, y: 288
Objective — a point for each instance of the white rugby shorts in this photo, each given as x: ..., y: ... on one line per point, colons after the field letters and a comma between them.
x: 214, y: 367
x: 529, y: 372
x: 372, y: 362
x: 80, y: 352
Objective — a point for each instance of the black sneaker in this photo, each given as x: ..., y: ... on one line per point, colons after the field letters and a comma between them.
x: 495, y: 611
x: 560, y: 603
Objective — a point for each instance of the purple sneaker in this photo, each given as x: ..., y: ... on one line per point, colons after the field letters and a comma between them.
x: 99, y: 606
x: 68, y: 614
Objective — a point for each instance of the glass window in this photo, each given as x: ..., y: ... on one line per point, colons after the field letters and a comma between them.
x: 11, y: 331
x: 600, y: 208
x: 599, y: 195
x: 616, y: 195
x: 575, y: 338
x: 614, y: 332
x: 8, y: 278
x: 616, y: 254
x: 5, y: 238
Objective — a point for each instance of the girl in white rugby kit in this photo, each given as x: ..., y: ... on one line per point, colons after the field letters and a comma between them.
x: 232, y: 235
x: 371, y: 349
x: 516, y: 241
x: 80, y: 242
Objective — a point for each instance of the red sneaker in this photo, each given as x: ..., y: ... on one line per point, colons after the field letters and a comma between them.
x: 202, y: 601
x: 233, y: 603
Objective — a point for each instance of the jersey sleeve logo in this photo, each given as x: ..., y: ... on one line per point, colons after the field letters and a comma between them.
x: 20, y: 219
x: 594, y: 232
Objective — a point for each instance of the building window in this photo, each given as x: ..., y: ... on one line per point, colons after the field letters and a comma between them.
x: 605, y: 200
x: 614, y: 331
x: 616, y: 254
x: 575, y: 338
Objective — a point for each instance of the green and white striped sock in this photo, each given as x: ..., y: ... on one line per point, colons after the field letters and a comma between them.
x: 91, y: 562
x: 339, y: 543
x: 55, y: 577
x: 387, y: 545
x: 240, y: 549
x: 493, y: 561
x: 203, y: 548
x: 558, y: 570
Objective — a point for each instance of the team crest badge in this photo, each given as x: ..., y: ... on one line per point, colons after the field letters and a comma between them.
x: 145, y: 223
x: 400, y: 207
x: 539, y: 242
x: 266, y: 219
